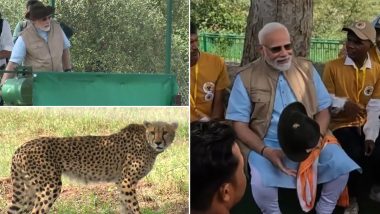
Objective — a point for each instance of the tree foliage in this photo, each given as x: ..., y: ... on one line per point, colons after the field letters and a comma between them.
x: 331, y: 15
x: 120, y: 36
x: 296, y: 15
x: 224, y: 16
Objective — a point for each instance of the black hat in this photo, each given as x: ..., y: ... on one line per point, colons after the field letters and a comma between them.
x: 297, y: 133
x: 38, y: 10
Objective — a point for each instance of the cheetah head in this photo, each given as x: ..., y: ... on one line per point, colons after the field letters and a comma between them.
x: 160, y: 134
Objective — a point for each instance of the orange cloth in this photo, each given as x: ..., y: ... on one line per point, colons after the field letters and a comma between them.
x: 307, y: 178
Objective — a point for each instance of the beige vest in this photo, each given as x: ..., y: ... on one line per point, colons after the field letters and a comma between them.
x: 260, y: 80
x: 40, y: 55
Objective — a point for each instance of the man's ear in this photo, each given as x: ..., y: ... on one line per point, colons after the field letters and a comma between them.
x: 260, y: 49
x: 225, y: 191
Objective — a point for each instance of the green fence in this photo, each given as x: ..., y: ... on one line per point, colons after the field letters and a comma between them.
x: 230, y: 47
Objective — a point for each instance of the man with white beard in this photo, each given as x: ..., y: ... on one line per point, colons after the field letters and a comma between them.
x: 41, y: 45
x: 260, y: 93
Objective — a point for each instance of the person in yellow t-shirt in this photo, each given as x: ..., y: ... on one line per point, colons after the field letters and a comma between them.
x: 208, y: 82
x: 353, y: 82
x: 374, y: 52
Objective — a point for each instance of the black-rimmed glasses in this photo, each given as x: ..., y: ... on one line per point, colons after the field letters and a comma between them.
x: 277, y: 49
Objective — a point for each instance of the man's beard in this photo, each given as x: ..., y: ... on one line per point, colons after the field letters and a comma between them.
x: 46, y: 29
x: 194, y: 53
x: 280, y: 66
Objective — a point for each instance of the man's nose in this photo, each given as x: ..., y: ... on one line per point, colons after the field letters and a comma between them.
x: 284, y: 52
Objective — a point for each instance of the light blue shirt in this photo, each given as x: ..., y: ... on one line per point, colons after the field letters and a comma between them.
x: 19, y: 49
x: 240, y: 105
x: 333, y: 161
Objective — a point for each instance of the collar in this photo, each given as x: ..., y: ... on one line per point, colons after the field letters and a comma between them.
x: 367, y: 63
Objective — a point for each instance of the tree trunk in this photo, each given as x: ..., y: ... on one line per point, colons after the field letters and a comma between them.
x: 296, y: 15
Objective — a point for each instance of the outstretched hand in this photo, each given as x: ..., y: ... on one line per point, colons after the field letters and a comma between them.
x: 276, y: 156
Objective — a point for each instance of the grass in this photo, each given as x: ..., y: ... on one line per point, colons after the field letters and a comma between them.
x: 163, y: 190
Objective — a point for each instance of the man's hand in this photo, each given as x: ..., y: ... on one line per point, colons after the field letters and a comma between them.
x: 369, y: 146
x: 276, y: 156
x: 353, y: 110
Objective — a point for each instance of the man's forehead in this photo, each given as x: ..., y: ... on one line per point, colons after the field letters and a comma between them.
x: 276, y: 41
x: 279, y: 35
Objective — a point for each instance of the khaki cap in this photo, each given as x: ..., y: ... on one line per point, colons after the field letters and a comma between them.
x: 38, y: 11
x: 363, y: 29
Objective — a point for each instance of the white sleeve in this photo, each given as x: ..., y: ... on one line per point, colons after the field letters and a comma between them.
x: 372, y: 126
x: 337, y: 103
x: 6, y: 42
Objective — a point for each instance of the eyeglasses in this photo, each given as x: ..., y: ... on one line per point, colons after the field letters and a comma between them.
x: 277, y: 49
x: 46, y: 18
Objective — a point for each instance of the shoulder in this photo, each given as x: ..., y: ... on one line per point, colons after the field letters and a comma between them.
x: 302, y: 59
x: 336, y: 62
x: 248, y: 68
x: 373, y: 53
x: 376, y: 68
x: 133, y: 128
x: 302, y: 62
x: 56, y: 24
x: 211, y: 57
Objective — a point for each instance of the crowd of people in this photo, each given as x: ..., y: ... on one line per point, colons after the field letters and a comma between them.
x: 295, y: 128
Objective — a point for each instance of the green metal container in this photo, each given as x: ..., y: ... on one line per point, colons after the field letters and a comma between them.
x: 17, y: 91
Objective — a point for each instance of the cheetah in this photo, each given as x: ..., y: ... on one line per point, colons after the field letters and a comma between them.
x: 124, y: 158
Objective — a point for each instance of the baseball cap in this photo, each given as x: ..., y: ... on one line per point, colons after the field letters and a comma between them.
x: 362, y: 29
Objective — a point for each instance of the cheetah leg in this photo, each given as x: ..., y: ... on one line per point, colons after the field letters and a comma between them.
x: 129, y: 204
x: 46, y: 194
x: 29, y: 197
x: 22, y: 194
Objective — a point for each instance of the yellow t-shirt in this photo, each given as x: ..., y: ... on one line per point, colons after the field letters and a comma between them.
x: 206, y: 77
x: 342, y: 81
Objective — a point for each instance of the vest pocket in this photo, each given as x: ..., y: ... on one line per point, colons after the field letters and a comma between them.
x: 259, y: 117
x: 260, y: 101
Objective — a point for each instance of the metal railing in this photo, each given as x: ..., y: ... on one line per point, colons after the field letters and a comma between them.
x: 230, y: 47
